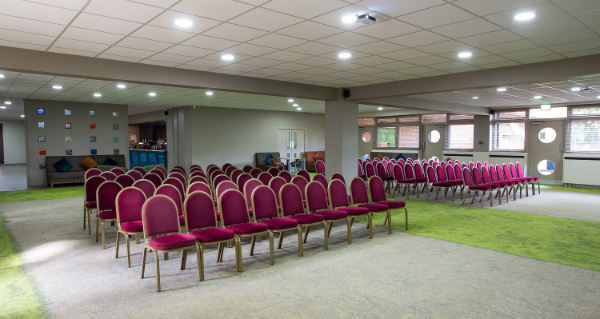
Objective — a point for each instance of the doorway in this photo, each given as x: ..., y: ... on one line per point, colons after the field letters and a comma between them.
x: 434, y: 141
x: 290, y: 144
x: 545, y: 149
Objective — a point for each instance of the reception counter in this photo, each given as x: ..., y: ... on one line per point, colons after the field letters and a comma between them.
x: 146, y: 158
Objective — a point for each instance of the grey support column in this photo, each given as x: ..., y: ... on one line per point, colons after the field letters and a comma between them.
x: 341, y: 143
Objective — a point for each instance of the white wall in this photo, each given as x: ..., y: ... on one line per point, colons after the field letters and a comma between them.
x: 221, y: 135
x: 14, y: 142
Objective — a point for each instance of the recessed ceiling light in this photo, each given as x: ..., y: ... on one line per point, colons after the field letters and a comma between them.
x: 121, y: 86
x: 475, y: 97
x: 227, y: 57
x: 57, y: 87
x: 380, y: 108
x: 1, y: 76
x: 7, y: 102
x: 22, y: 115
x: 291, y: 100
x: 465, y: 54
x: 152, y: 93
x: 97, y: 94
x: 349, y: 19
x: 524, y: 16
x: 575, y: 89
x: 345, y: 55
x: 184, y: 23
x: 537, y: 97
x: 3, y: 107
x: 295, y: 105
x: 209, y: 93
x: 299, y: 109
x: 598, y: 97
x: 502, y: 89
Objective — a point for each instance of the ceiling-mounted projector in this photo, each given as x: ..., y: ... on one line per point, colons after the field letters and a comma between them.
x: 365, y: 18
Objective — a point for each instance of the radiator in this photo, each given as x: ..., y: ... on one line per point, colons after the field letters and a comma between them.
x: 581, y: 170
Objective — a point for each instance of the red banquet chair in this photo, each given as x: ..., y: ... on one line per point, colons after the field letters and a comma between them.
x: 250, y: 186
x: 499, y: 186
x: 301, y: 182
x: 180, y: 177
x: 317, y: 203
x: 242, y: 179
x: 472, y: 185
x: 223, y: 187
x: 247, y: 168
x: 125, y: 180
x: 359, y: 195
x: 89, y: 198
x: 265, y: 178
x: 106, y: 196
x: 109, y: 176
x: 218, y: 180
x: 285, y: 175
x: 275, y: 184
x: 437, y: 184
x: 320, y: 167
x: 173, y: 193
x: 235, y: 174
x: 201, y: 222
x: 380, y: 170
x: 338, y: 176
x: 377, y: 193
x: 197, y: 178
x: 154, y: 178
x: 162, y: 233
x: 255, y: 172
x: 292, y: 207
x: 523, y: 180
x: 129, y: 203
x: 274, y: 171
x: 160, y: 173
x: 135, y: 174
x: 118, y: 171
x: 139, y: 169
x: 199, y: 187
x: 177, y: 183
x: 304, y: 174
x: 226, y: 166
x: 369, y: 170
x: 338, y: 199
x: 530, y: 179
x: 400, y: 180
x: 91, y: 172
x: 145, y: 186
x: 229, y: 169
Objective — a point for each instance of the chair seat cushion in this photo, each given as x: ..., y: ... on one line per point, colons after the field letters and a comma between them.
x: 407, y: 181
x: 173, y: 241
x: 456, y: 181
x: 500, y: 184
x: 519, y: 180
x: 442, y: 184
x: 531, y: 179
x: 108, y: 214
x: 249, y: 228
x: 307, y: 218
x: 280, y: 223
x: 535, y: 179
x: 393, y: 203
x: 181, y: 220
x: 332, y: 214
x: 375, y: 207
x: 90, y: 205
x: 480, y: 187
x: 213, y: 234
x: 509, y: 182
x: 133, y: 227
x: 421, y: 179
x: 355, y: 211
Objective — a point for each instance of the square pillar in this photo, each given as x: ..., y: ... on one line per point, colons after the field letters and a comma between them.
x: 341, y: 144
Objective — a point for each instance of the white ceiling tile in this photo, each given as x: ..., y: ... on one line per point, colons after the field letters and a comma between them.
x: 207, y: 63
x: 80, y: 45
x: 240, y: 67
x: 313, y: 48
x: 221, y: 10
x: 448, y: 65
x: 387, y: 29
x: 168, y: 18
x: 188, y: 51
x: 262, y: 62
x: 343, y: 66
x: 124, y: 10
x: 544, y: 58
x: 286, y: 56
x: 306, y: 9
x: 443, y: 47
x: 543, y: 11
x: 317, y: 71
x: 378, y: 47
x: 118, y: 57
x: 210, y: 43
x: 129, y: 52
x: 194, y: 67
x: 263, y: 19
x: 334, y: 18
x: 577, y: 6
x: 436, y: 73
x: 437, y: 16
x: 466, y: 28
x: 432, y: 59
x: 396, y: 8
x: 250, y: 49
x: 159, y: 63
x: 254, y: 2
x: 65, y: 4
x: 490, y: 38
x: 157, y: 3
x: 510, y: 46
x: 405, y: 54
x: 486, y: 60
x: 91, y: 36
x: 485, y: 7
x: 72, y: 51
x: 347, y: 39
x: 532, y: 53
x: 31, y: 26
x: 590, y: 18
x: 143, y: 44
x: 418, y: 38
x: 291, y: 66
x: 418, y: 70
x: 161, y: 34
x: 270, y: 72
x: 37, y: 11
x: 316, y: 61
x: 234, y: 32
x: 237, y: 58
x: 309, y: 30
x: 565, y: 37
x: 548, y: 27
x: 174, y: 58
x: 575, y: 54
x: 25, y: 37
x: 277, y: 41
x: 396, y: 66
x: 99, y: 23
x: 576, y: 46
x: 372, y: 60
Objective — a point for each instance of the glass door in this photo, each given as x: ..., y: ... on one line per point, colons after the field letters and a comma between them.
x: 291, y: 144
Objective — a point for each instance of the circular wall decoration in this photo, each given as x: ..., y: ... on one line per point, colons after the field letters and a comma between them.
x: 547, y: 135
x: 434, y: 136
x: 366, y: 137
x: 546, y: 167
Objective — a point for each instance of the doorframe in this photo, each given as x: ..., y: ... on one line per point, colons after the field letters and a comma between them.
x: 531, y: 134
x: 295, y: 128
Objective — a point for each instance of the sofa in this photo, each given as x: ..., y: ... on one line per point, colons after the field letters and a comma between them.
x: 76, y: 174
x: 260, y: 158
x: 311, y: 161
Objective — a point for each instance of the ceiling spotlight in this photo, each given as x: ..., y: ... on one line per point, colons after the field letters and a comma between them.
x: 295, y: 105
x: 349, y: 19
x: 209, y: 93
x: 7, y: 102
x: 121, y: 86
x: 598, y: 97
x: 57, y: 87
x: 524, y: 16
x: 345, y: 55
x: 475, y: 97
x: 3, y: 107
x: 380, y: 108
x: 465, y: 54
x: 502, y: 89
x: 299, y: 109
x: 152, y: 93
x: 184, y: 23
x: 291, y: 100
x: 227, y: 57
x: 22, y: 115
x: 97, y: 94
x: 575, y: 89
x: 537, y: 97
x: 1, y: 76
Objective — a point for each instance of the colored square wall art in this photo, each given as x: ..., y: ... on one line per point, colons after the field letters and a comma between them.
x: 68, y: 139
x: 68, y: 152
x: 94, y: 151
x: 116, y: 139
x: 115, y: 114
x: 116, y: 151
x: 93, y: 126
x: 67, y: 112
x: 42, y: 125
x: 41, y: 111
x: 42, y: 165
x: 93, y: 139
x: 92, y: 112
x: 68, y: 126
x: 42, y: 152
x: 115, y: 126
x: 41, y: 139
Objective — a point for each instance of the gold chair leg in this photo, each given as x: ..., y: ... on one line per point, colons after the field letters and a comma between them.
x: 329, y: 230
x: 306, y: 233
x: 128, y: 251
x: 325, y: 228
x: 238, y: 248
x: 200, y: 257
x: 183, y: 259
x: 405, y: 218
x: 281, y: 234
x: 349, y: 225
x: 84, y: 215
x: 117, y: 245
x: 271, y: 247
x: 103, y: 237
x: 97, y: 222
x: 389, y: 216
x: 144, y: 261
x: 157, y: 271
x: 370, y: 225
x: 252, y: 241
x: 428, y: 192
x: 300, y: 246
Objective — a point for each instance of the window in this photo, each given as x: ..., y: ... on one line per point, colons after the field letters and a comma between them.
x: 509, y: 131
x: 458, y: 117
x: 433, y: 118
x: 386, y: 120
x: 386, y: 137
x: 460, y: 137
x: 553, y: 113
x: 409, y: 136
x: 366, y: 121
x: 408, y: 118
x: 366, y: 137
x: 583, y: 129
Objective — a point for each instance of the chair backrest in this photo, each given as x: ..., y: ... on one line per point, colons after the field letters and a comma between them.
x: 477, y: 176
x: 338, y: 196
x: 450, y: 172
x: 224, y: 186
x: 274, y: 171
x: 393, y: 161
x: 179, y: 168
x: 500, y: 174
x: 493, y: 174
x: 159, y: 216
x: 358, y: 191
x: 376, y: 189
x: 290, y: 198
x: 218, y: 180
x: 139, y: 169
x: 506, y: 171
x: 513, y: 170
x: 255, y: 172
x: 369, y: 170
x: 242, y: 179
x: 316, y: 196
x: 320, y: 166
x: 154, y: 178
x: 520, y: 170
x: 443, y: 165
x: 197, y: 173
x: 389, y: 168
x: 486, y: 164
x: 145, y: 186
x: 180, y: 177
x: 360, y: 169
x: 485, y: 175
x: 441, y: 173
x: 195, y: 179
x: 235, y: 174
x: 285, y: 175
x: 118, y: 171
x: 110, y: 176
x: 275, y: 184
x: 233, y: 208
x: 401, y: 162
x: 431, y: 177
x: 125, y: 180
x: 247, y: 168
x: 418, y: 170
x: 398, y: 172
x: 409, y: 173
x: 159, y: 172
x: 91, y: 172
x: 380, y: 170
x: 478, y: 165
x: 194, y: 166
x: 229, y: 170
x: 135, y: 174
x: 173, y: 193
x: 463, y: 165
x: 249, y: 188
x: 321, y: 179
x: 385, y: 161
x: 338, y: 176
x: 177, y: 183
x: 265, y: 178
x: 301, y: 182
x: 466, y: 176
x: 435, y: 164
x: 199, y: 211
x: 216, y: 173
x: 91, y: 186
x: 471, y: 165
x: 264, y: 203
x: 106, y: 195
x: 304, y: 174
x: 199, y: 187
x: 129, y: 202
x: 225, y: 166
x: 457, y: 171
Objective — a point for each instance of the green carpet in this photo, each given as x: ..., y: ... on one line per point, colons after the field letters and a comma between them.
x: 18, y: 295
x: 41, y: 194
x: 567, y: 241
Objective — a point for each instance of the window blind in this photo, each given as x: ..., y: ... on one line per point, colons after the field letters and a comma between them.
x: 583, y: 129
x: 408, y: 136
x: 509, y: 131
x: 460, y: 137
x: 366, y: 121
